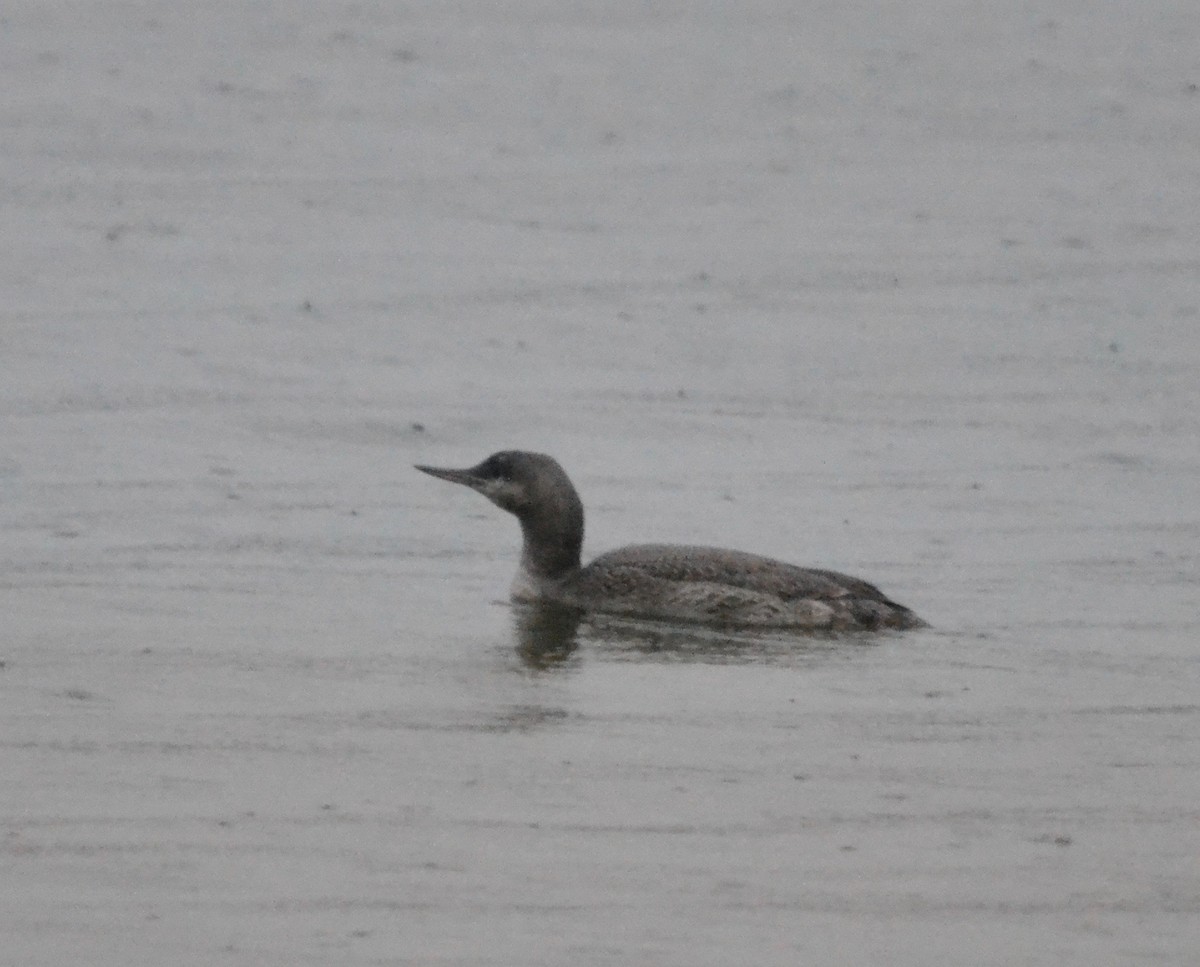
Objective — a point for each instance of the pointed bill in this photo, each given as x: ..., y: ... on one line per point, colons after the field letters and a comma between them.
x: 468, y: 477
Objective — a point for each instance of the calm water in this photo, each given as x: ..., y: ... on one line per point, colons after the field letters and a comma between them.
x: 885, y: 291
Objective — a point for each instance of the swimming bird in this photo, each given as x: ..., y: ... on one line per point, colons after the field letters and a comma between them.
x: 671, y: 582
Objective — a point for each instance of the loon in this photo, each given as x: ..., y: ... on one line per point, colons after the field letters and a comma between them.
x: 671, y: 582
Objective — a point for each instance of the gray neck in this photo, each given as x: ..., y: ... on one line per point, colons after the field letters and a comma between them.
x: 553, y: 540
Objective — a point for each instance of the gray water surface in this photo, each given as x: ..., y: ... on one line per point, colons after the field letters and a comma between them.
x: 907, y: 291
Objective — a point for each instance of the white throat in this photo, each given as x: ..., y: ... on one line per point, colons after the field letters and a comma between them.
x: 527, y: 586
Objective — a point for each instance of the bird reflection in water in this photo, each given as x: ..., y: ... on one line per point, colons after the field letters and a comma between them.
x: 547, y: 636
x: 546, y: 633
